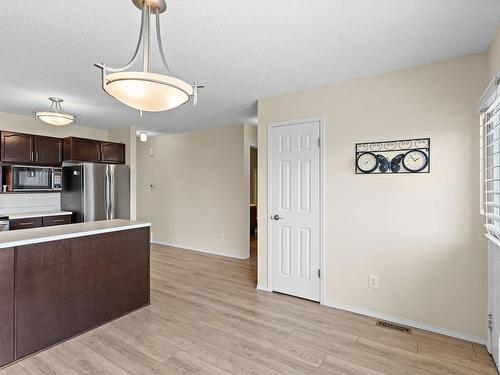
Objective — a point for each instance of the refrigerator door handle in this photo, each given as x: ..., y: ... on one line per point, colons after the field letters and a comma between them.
x: 111, y: 192
x: 106, y: 193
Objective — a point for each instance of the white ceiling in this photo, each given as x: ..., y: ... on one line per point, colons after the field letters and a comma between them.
x: 241, y: 50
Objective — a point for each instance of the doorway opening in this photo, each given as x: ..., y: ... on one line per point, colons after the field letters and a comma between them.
x: 253, y: 230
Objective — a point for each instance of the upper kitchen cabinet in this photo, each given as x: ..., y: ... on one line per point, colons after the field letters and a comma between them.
x: 82, y: 149
x: 112, y: 152
x: 17, y: 148
x: 48, y: 150
x: 22, y: 148
x: 89, y: 150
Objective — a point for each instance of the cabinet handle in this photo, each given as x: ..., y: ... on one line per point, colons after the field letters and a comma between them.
x: 58, y: 220
x: 37, y: 156
x: 27, y: 223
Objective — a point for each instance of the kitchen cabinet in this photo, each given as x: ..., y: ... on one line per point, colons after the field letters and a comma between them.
x: 121, y: 273
x: 82, y: 149
x: 112, y: 152
x: 69, y: 286
x: 49, y: 221
x: 48, y: 150
x: 17, y: 147
x: 53, y: 293
x: 37, y: 222
x: 29, y: 222
x: 30, y: 149
x: 6, y: 306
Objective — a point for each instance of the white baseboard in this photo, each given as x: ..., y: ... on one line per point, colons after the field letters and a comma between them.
x: 262, y: 287
x: 200, y: 250
x: 409, y: 323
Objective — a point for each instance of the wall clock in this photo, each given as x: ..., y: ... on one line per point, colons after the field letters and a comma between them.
x: 393, y: 157
x: 367, y: 162
x: 415, y: 161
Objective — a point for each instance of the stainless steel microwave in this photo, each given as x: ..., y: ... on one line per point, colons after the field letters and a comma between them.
x: 30, y: 178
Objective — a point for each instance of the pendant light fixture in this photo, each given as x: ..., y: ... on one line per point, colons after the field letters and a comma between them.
x: 144, y: 90
x: 55, y: 114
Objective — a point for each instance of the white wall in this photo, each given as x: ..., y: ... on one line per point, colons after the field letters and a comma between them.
x: 422, y: 234
x: 200, y: 199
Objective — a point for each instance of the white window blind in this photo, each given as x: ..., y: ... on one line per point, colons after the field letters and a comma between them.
x: 490, y: 163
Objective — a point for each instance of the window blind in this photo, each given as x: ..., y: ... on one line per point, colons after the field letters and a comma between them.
x: 490, y: 167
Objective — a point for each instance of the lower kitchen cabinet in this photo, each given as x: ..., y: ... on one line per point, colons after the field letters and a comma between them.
x: 6, y: 306
x: 67, y: 287
x: 53, y: 293
x: 121, y: 273
x: 36, y: 222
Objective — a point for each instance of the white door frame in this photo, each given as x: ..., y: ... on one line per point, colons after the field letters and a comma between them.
x: 270, y: 126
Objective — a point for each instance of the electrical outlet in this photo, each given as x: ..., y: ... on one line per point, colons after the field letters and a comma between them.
x: 29, y: 201
x: 222, y: 237
x: 373, y: 281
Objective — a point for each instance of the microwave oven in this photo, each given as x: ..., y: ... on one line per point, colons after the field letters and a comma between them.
x: 31, y: 178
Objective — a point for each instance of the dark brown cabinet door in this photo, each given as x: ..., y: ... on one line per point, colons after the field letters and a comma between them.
x: 6, y: 306
x: 54, y: 283
x: 29, y: 222
x: 17, y: 147
x: 81, y: 149
x: 112, y: 152
x: 121, y: 273
x: 49, y: 221
x: 48, y: 150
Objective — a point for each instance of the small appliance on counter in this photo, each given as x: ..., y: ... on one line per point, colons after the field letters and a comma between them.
x: 96, y: 191
x: 29, y: 178
x: 4, y: 223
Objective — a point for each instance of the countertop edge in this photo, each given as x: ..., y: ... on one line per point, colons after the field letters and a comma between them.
x: 72, y: 235
x: 29, y: 215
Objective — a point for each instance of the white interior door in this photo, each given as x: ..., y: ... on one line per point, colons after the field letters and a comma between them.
x: 295, y: 209
x: 494, y: 300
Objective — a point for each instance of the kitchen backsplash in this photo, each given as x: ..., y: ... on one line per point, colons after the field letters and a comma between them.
x: 27, y: 202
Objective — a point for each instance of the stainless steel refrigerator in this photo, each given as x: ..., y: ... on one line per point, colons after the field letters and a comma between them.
x: 96, y: 191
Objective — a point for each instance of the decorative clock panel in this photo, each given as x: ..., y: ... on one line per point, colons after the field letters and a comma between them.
x: 389, y: 157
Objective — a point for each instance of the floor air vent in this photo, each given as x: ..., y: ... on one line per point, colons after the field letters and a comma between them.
x: 393, y: 326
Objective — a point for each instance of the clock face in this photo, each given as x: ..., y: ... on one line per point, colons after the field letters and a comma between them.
x: 415, y: 161
x: 367, y: 162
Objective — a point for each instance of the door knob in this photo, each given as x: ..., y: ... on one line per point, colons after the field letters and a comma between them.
x: 276, y: 217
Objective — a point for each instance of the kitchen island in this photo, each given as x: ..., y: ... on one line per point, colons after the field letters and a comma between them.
x: 58, y: 282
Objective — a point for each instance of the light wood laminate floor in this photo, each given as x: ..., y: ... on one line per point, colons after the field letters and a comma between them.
x: 206, y: 317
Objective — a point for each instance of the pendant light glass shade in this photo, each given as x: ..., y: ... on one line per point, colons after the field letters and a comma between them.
x: 148, y: 91
x: 55, y: 115
x: 144, y: 90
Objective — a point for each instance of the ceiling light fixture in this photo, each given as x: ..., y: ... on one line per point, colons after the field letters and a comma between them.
x: 144, y: 90
x: 55, y: 114
x: 143, y: 136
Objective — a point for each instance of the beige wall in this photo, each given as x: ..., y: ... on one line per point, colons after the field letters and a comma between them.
x: 30, y: 125
x: 494, y: 56
x: 421, y: 234
x: 200, y: 200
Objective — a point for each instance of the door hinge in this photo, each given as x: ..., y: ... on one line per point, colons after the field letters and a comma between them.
x: 319, y: 273
x: 490, y: 319
x: 319, y: 142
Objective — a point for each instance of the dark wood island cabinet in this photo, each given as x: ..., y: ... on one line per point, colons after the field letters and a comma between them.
x: 53, y: 290
x: 6, y: 306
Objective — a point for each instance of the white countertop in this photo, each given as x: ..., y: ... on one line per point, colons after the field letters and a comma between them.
x: 25, y: 215
x: 61, y: 232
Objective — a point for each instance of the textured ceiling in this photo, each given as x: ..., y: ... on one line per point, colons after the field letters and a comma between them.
x: 241, y: 50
